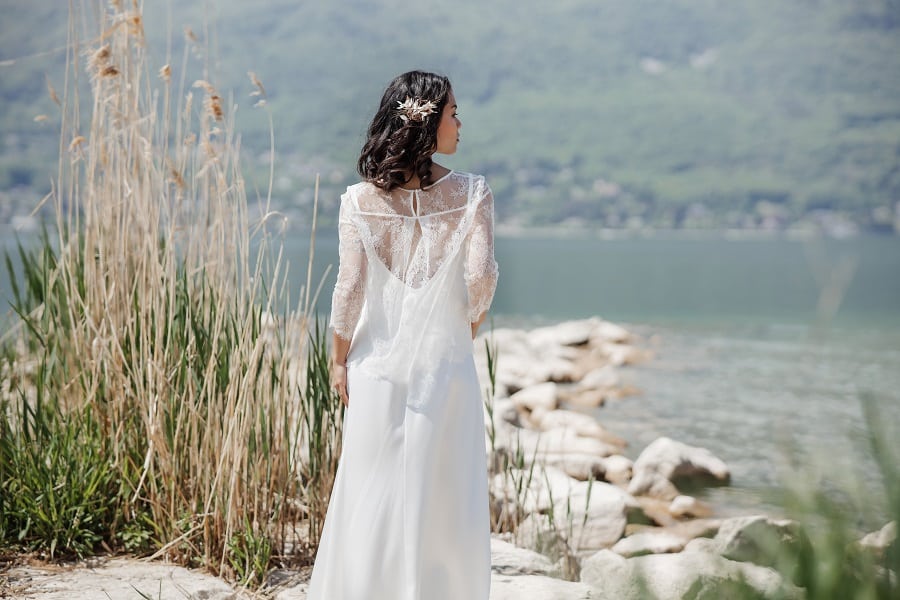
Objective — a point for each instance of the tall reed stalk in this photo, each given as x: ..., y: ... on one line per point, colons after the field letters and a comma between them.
x: 147, y: 348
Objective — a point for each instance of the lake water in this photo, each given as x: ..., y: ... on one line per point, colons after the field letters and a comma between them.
x: 758, y: 342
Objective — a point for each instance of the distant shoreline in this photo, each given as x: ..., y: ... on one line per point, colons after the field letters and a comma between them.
x: 503, y: 230
x: 557, y: 231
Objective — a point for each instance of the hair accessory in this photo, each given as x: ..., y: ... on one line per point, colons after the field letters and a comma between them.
x: 414, y: 109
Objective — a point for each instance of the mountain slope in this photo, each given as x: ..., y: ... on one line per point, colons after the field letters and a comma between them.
x: 671, y: 113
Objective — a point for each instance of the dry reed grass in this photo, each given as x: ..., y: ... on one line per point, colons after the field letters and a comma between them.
x: 154, y: 320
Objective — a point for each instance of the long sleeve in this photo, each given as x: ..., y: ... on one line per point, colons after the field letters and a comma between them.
x: 349, y: 289
x: 481, y: 267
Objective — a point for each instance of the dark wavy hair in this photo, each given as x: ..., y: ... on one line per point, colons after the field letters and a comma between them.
x: 395, y: 148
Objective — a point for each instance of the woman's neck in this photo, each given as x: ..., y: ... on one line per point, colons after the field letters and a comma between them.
x: 413, y: 183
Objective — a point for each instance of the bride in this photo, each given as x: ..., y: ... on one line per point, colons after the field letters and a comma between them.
x: 408, y: 515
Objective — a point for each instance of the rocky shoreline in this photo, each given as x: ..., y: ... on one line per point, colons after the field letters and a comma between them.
x: 621, y: 528
x: 605, y: 526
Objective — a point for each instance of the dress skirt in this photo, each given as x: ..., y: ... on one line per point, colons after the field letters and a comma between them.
x: 408, y: 517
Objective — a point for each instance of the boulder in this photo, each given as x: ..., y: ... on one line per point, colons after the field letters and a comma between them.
x: 656, y: 510
x: 696, y: 528
x: 580, y: 398
x: 601, y: 378
x: 665, y: 460
x: 542, y: 446
x: 120, y: 578
x: 593, y: 516
x: 689, y: 507
x: 294, y: 592
x: 537, y: 587
x: 516, y: 372
x: 612, y: 469
x: 619, y: 355
x: 757, y: 539
x: 538, y: 532
x: 507, y: 559
x: 640, y: 539
x: 535, y: 489
x: 582, y: 424
x: 506, y: 340
x: 554, y: 368
x: 567, y: 333
x: 682, y: 575
x: 588, y: 516
x: 578, y: 466
x: 505, y: 413
x: 539, y: 396
x: 879, y: 541
x: 617, y: 469
x: 652, y: 485
x: 604, y: 331
x: 654, y: 541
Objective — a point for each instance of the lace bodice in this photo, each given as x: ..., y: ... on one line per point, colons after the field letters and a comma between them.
x: 414, y: 235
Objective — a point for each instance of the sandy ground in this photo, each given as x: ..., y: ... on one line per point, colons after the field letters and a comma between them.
x: 135, y: 579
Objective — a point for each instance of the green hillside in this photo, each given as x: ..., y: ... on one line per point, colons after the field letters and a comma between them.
x: 628, y: 113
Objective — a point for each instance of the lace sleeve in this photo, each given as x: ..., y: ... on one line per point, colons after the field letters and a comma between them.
x: 481, y: 267
x: 348, y: 297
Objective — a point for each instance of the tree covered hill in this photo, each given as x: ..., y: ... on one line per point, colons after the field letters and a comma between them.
x: 627, y: 113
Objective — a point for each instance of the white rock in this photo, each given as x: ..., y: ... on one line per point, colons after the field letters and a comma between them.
x: 650, y: 542
x: 296, y: 592
x: 540, y: 445
x: 508, y: 559
x: 586, y: 398
x: 593, y: 516
x: 604, y: 331
x: 696, y: 528
x: 707, y: 545
x: 601, y: 378
x: 505, y: 409
x: 507, y: 583
x: 880, y: 540
x: 553, y: 368
x: 590, y: 515
x: 578, y: 466
x: 567, y: 333
x: 617, y: 469
x: 677, y: 576
x: 121, y: 578
x: 665, y: 460
x: 570, y: 353
x: 542, y: 395
x: 582, y: 424
x: 649, y: 483
x: 507, y: 341
x: 537, y: 587
x: 566, y: 441
x: 612, y: 469
x: 516, y: 372
x: 539, y: 532
x: 535, y: 490
x: 688, y: 506
x: 757, y: 539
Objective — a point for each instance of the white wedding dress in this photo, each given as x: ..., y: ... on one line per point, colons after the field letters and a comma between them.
x: 408, y: 517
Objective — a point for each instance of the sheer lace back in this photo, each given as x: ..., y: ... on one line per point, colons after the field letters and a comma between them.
x: 416, y: 267
x: 414, y: 232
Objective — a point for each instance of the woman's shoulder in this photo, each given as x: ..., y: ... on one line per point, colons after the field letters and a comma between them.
x: 465, y: 175
x: 362, y: 189
x: 464, y: 179
x: 362, y: 186
x: 476, y: 183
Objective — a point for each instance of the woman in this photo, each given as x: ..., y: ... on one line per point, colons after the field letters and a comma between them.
x: 408, y: 517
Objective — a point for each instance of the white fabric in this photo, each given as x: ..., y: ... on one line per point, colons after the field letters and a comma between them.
x: 408, y: 517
